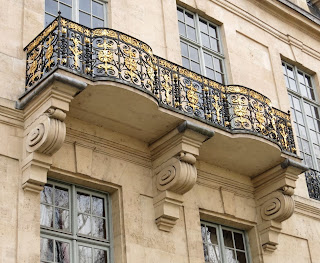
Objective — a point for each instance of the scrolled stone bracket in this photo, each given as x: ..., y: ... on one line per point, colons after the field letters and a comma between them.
x: 273, y: 193
x: 174, y: 159
x: 45, y: 129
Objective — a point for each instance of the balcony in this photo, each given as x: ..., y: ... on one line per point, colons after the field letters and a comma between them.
x: 103, y: 56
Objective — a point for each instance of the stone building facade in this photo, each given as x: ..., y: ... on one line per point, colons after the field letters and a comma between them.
x: 158, y: 131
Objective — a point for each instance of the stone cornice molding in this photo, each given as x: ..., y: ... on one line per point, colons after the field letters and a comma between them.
x: 174, y: 157
x: 273, y: 193
x: 45, y: 130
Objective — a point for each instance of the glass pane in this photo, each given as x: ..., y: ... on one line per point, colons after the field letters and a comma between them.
x: 214, y: 44
x: 310, y: 123
x: 308, y: 161
x: 210, y: 73
x: 203, y: 26
x: 97, y: 22
x: 97, y: 9
x: 212, y: 235
x: 287, y: 83
x: 205, y: 40
x: 208, y: 60
x: 308, y: 81
x: 305, y: 146
x: 219, y: 77
x: 85, y: 254
x: 84, y: 19
x: 185, y: 63
x: 284, y: 68
x: 203, y: 233
x: 315, y: 111
x: 46, y: 194
x: 213, y: 254
x: 311, y: 94
x: 83, y: 201
x: 290, y: 72
x: 189, y: 19
x: 61, y: 219
x: 182, y: 29
x: 212, y: 31
x: 98, y: 227
x: 194, y: 54
x: 100, y: 256
x: 313, y: 136
x: 217, y: 64
x: 191, y: 33
x: 238, y: 239
x: 302, y: 132
x: 299, y: 117
x: 51, y: 7
x: 303, y: 90
x: 62, y: 252
x: 97, y: 206
x: 307, y: 109
x: 84, y: 224
x: 184, y: 49
x: 241, y: 256
x: 61, y: 197
x: 46, y: 249
x: 46, y: 215
x: 230, y: 256
x: 227, y: 237
x: 296, y: 104
x: 292, y: 84
x: 66, y: 11
x: 48, y: 19
x: 180, y: 14
x: 195, y: 67
x: 300, y: 78
x: 316, y: 150
x: 68, y: 2
x: 84, y: 5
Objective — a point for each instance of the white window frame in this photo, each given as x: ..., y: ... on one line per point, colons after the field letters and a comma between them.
x: 219, y: 231
x: 303, y: 99
x: 71, y: 236
x: 201, y: 48
x: 75, y: 11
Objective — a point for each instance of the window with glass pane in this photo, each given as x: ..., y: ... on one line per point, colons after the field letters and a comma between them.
x: 304, y: 113
x: 74, y: 225
x: 200, y: 45
x: 223, y: 245
x: 90, y: 13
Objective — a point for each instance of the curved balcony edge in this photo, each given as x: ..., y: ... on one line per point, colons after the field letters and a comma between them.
x: 106, y: 54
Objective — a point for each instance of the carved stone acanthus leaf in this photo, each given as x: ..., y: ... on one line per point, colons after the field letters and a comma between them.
x: 278, y: 207
x: 48, y: 135
x: 177, y: 175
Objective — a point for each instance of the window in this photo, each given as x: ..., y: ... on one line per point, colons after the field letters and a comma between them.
x: 200, y: 45
x: 74, y: 225
x: 223, y: 245
x: 304, y: 113
x: 90, y: 13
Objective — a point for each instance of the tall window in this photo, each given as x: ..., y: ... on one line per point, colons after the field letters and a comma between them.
x: 304, y: 113
x: 223, y: 245
x: 74, y: 225
x: 90, y: 13
x: 200, y: 45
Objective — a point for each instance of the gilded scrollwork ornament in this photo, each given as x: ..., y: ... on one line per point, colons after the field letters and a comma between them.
x: 105, y: 55
x: 76, y: 51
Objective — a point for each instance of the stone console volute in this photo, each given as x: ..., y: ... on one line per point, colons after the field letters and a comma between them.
x: 45, y: 130
x: 174, y: 158
x: 273, y: 193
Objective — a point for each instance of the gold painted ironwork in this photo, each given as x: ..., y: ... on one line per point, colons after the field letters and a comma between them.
x: 217, y: 107
x: 167, y: 87
x: 34, y: 68
x: 49, y: 52
x: 131, y: 62
x: 240, y: 108
x: 104, y: 32
x: 105, y: 55
x: 284, y: 135
x: 76, y: 51
x: 192, y: 96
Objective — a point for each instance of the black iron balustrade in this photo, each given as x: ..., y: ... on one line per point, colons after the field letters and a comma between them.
x: 313, y: 183
x: 106, y: 54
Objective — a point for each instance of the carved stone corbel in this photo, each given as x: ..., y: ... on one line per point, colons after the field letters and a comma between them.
x: 273, y: 193
x: 174, y: 158
x: 45, y: 130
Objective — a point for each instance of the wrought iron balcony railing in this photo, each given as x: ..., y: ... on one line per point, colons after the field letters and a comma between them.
x: 313, y: 183
x: 106, y: 54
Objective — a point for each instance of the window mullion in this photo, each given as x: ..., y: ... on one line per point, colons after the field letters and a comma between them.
x: 74, y: 223
x: 198, y: 37
x: 221, y: 243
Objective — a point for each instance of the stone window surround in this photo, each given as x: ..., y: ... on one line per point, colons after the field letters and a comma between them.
x: 71, y: 237
x: 75, y: 11
x: 201, y: 48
